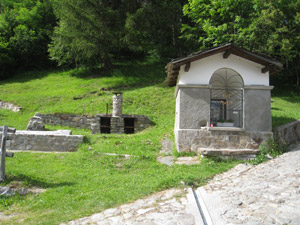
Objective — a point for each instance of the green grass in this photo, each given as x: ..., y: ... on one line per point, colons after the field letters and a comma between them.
x: 285, y: 105
x: 84, y: 182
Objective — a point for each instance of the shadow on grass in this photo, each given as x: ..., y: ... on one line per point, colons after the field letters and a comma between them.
x: 281, y: 120
x: 290, y: 94
x: 24, y: 77
x: 277, y: 109
x: 131, y: 74
x: 29, y: 181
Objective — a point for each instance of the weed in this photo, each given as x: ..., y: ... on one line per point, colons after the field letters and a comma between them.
x: 271, y: 148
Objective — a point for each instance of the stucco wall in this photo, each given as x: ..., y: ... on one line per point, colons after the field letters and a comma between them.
x: 257, y: 110
x: 194, y: 107
x: 201, y: 71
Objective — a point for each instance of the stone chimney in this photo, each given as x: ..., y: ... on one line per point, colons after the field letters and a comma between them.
x: 117, y: 104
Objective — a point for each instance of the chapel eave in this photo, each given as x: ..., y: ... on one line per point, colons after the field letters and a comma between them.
x: 173, y: 67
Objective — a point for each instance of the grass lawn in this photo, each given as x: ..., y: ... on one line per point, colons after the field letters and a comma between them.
x: 285, y: 105
x: 84, y: 182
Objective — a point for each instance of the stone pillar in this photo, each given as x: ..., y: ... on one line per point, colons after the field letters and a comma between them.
x: 36, y: 123
x: 117, y: 125
x: 117, y: 104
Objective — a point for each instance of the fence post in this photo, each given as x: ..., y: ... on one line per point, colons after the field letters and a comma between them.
x: 3, y: 153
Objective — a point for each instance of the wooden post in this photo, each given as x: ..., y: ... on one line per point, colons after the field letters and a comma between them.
x: 3, y: 153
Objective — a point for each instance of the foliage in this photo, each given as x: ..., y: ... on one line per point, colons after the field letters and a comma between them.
x: 155, y: 28
x: 271, y: 27
x: 95, y: 32
x: 269, y: 149
x: 88, y: 32
x: 87, y: 181
x: 25, y: 27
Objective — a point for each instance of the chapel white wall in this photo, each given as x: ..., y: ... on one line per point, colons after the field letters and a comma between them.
x: 201, y: 71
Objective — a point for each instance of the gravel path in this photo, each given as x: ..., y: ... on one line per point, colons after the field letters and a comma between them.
x: 167, y: 207
x: 268, y: 193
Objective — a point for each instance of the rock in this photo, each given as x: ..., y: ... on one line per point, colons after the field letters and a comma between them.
x: 167, y: 160
x: 188, y: 160
x: 167, y: 147
x: 36, y: 124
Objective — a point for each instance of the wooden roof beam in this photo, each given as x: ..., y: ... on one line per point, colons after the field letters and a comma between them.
x: 187, y: 66
x: 227, y: 54
x: 266, y: 69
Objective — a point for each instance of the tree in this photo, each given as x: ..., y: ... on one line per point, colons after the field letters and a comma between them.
x: 215, y: 22
x: 25, y: 28
x: 266, y: 26
x: 89, y: 32
x: 155, y: 28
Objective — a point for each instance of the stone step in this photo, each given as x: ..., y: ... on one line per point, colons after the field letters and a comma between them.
x: 235, y: 153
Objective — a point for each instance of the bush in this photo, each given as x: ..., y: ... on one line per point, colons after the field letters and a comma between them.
x: 269, y: 149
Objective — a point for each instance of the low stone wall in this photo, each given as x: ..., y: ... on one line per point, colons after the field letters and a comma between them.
x: 229, y: 141
x: 50, y: 141
x: 289, y: 133
x: 89, y: 122
x: 141, y: 123
x: 76, y: 121
x: 11, y: 106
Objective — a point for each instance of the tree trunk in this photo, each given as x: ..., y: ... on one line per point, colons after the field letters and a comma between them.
x: 107, y: 63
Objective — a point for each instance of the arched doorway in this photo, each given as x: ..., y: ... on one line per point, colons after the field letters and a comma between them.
x: 226, y: 98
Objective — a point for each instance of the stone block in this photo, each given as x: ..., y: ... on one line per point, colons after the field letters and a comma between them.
x: 220, y: 144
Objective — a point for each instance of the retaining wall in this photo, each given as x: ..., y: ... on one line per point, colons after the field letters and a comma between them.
x: 77, y: 121
x: 51, y: 141
x: 90, y: 122
x: 289, y: 133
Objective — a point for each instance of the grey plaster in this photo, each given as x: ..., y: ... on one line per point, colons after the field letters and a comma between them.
x: 257, y: 110
x: 194, y: 108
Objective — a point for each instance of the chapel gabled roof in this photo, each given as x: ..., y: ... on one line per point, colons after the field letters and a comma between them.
x: 173, y: 67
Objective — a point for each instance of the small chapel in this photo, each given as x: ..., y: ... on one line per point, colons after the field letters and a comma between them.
x: 223, y: 101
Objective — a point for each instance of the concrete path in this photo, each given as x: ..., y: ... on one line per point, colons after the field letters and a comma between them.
x: 265, y: 194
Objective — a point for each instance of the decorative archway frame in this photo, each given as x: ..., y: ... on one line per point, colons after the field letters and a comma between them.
x: 226, y: 98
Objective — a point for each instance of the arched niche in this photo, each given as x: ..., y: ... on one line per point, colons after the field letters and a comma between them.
x: 226, y: 98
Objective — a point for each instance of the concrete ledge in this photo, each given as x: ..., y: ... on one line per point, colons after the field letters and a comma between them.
x: 228, y: 152
x: 178, y: 86
x: 226, y: 129
x: 243, y: 154
x: 258, y: 87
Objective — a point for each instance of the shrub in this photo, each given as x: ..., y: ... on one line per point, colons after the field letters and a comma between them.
x: 269, y: 149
